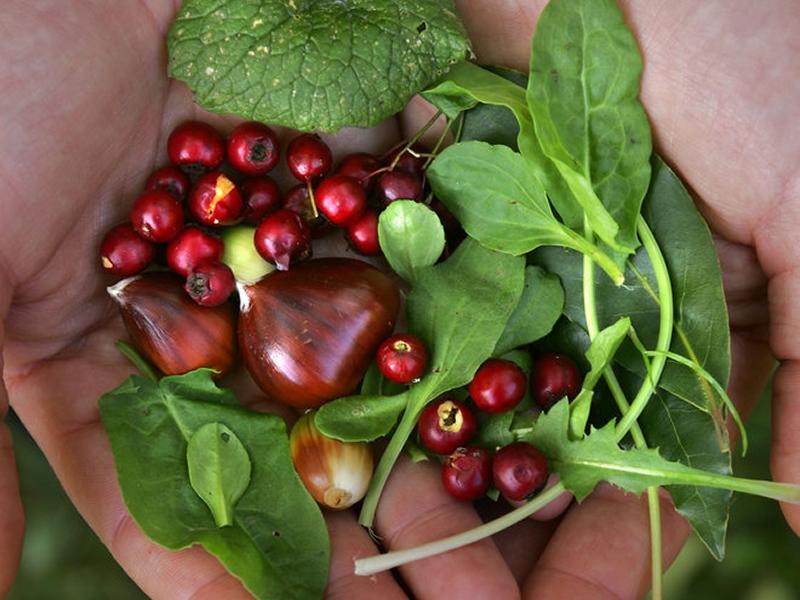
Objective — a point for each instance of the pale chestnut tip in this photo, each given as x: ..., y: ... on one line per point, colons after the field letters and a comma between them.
x: 116, y: 290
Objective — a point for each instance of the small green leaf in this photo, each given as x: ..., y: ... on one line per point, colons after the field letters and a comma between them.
x: 360, y: 418
x: 495, y: 431
x: 375, y: 384
x: 583, y: 94
x: 538, y: 310
x: 411, y: 237
x: 313, y: 64
x: 219, y: 469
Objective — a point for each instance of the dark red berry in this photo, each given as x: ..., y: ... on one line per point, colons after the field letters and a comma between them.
x: 211, y: 283
x: 341, y: 199
x: 171, y: 180
x: 298, y: 200
x: 195, y: 145
x: 452, y: 228
x: 553, y: 377
x: 402, y: 358
x: 283, y: 237
x: 253, y: 148
x: 215, y: 200
x: 261, y: 197
x: 445, y: 425
x: 123, y: 252
x: 363, y: 233
x: 191, y: 247
x: 467, y: 473
x: 157, y: 216
x: 519, y: 470
x: 407, y: 163
x: 397, y: 185
x: 359, y: 166
x: 308, y: 157
x: 498, y: 386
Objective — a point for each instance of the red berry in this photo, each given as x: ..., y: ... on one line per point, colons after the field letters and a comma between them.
x: 341, y: 199
x: 445, y: 425
x: 123, y: 252
x: 253, y: 148
x: 498, y: 386
x: 171, y: 180
x: 215, y: 200
x: 195, y: 145
x: 363, y: 233
x: 191, y: 247
x: 261, y: 197
x: 308, y: 157
x: 407, y: 163
x: 553, y: 377
x: 359, y: 166
x: 402, y: 358
x: 397, y: 185
x: 283, y: 237
x: 467, y: 473
x: 211, y: 283
x: 519, y: 470
x: 299, y: 201
x: 157, y: 216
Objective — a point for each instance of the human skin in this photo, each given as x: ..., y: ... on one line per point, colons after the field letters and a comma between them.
x: 86, y: 106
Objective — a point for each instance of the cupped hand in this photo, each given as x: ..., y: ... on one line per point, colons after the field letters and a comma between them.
x: 85, y: 107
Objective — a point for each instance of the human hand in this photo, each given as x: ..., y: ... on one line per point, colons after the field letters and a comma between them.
x: 86, y: 106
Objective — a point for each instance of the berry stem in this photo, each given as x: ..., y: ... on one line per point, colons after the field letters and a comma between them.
x: 415, y: 138
x: 311, y: 199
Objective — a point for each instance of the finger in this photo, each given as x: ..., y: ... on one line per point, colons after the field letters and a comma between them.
x: 601, y: 549
x: 415, y: 509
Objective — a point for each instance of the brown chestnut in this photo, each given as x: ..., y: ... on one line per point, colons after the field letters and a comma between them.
x: 170, y: 329
x: 307, y: 335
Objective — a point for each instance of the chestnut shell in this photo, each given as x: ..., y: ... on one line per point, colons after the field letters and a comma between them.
x: 172, y: 331
x: 307, y: 335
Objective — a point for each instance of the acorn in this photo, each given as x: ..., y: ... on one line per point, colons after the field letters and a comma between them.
x: 308, y: 335
x: 170, y: 329
x: 335, y: 473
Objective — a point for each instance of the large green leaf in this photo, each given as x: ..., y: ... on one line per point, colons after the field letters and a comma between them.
x: 313, y: 64
x: 277, y: 544
x: 583, y: 94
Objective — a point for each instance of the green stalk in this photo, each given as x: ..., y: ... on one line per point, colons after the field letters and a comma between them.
x: 384, y: 562
x: 137, y: 360
x: 653, y: 504
x: 593, y: 251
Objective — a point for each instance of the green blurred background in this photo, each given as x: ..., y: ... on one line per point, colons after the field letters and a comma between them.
x: 62, y: 559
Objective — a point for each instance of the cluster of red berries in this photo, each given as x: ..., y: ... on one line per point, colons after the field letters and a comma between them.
x: 446, y: 426
x: 200, y: 186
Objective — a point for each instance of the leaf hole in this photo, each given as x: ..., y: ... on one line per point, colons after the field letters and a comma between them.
x: 422, y: 27
x: 225, y: 437
x: 276, y: 534
x: 555, y: 75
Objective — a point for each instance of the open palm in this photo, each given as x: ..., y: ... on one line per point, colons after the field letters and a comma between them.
x: 85, y: 106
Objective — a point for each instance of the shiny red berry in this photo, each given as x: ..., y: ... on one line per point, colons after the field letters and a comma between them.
x: 308, y: 157
x: 446, y: 424
x: 363, y: 234
x: 402, y: 358
x: 123, y: 252
x: 191, y: 247
x: 341, y: 199
x: 215, y: 200
x: 157, y: 216
x: 253, y: 148
x: 359, y: 166
x: 519, y: 470
x: 210, y: 283
x: 467, y: 473
x: 171, y: 180
x: 195, y: 145
x: 397, y: 185
x: 554, y: 376
x: 298, y: 200
x: 261, y: 196
x: 497, y: 386
x: 283, y: 237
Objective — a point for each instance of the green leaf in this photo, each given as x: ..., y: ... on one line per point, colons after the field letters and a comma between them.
x: 313, y: 64
x: 495, y: 431
x: 411, y: 237
x: 467, y: 84
x: 538, y: 310
x: 360, y: 418
x: 375, y: 384
x: 583, y: 94
x: 494, y: 123
x: 277, y: 544
x: 219, y: 469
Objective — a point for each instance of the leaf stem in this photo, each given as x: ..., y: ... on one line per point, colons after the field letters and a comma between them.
x: 137, y: 360
x: 384, y: 562
x: 656, y: 576
x: 589, y: 249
